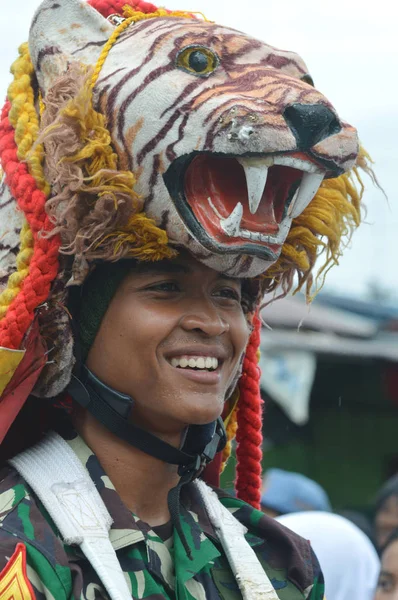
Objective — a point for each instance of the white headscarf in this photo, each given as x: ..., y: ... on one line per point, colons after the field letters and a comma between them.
x: 348, y: 560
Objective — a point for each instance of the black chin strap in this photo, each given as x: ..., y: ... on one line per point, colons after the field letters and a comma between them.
x: 112, y: 409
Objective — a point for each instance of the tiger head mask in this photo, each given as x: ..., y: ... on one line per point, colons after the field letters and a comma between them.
x: 227, y: 137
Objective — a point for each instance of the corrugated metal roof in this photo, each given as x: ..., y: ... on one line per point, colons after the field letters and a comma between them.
x: 293, y: 313
x: 324, y: 329
x: 330, y: 344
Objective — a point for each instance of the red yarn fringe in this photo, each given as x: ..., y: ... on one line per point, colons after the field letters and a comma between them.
x: 249, y: 434
x: 44, y: 263
x: 110, y: 7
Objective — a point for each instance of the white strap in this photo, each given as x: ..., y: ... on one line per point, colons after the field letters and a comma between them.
x: 63, y: 485
x: 252, y: 580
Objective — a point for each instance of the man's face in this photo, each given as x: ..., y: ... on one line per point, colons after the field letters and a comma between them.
x: 386, y: 520
x: 173, y: 338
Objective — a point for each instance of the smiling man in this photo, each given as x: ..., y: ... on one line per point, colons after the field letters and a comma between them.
x: 161, y: 350
x: 161, y: 173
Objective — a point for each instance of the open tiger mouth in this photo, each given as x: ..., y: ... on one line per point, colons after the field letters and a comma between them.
x: 242, y: 204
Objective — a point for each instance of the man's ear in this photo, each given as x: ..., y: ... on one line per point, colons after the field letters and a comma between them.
x: 63, y: 31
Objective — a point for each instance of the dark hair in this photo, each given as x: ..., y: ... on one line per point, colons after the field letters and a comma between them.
x: 390, y: 488
x: 251, y: 294
x: 391, y: 539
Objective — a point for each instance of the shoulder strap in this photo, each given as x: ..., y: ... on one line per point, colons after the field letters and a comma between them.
x: 63, y: 485
x: 252, y: 580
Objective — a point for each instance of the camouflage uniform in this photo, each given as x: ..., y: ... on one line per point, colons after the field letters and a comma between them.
x: 154, y: 562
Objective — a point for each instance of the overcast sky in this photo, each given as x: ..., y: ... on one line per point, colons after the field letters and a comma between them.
x: 351, y: 49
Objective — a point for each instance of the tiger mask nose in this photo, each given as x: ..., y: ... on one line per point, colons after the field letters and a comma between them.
x: 311, y: 123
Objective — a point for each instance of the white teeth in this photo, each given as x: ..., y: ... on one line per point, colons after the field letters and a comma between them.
x: 293, y: 202
x: 231, y: 225
x: 308, y: 188
x: 256, y: 172
x: 296, y: 163
x: 257, y: 236
x: 195, y: 362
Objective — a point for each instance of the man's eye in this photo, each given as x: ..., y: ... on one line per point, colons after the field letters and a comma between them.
x: 228, y: 293
x: 165, y: 286
x: 384, y: 584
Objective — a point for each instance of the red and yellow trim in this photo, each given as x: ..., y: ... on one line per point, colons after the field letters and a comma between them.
x: 14, y: 583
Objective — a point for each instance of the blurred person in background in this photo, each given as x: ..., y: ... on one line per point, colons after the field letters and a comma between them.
x: 386, y: 512
x: 349, y: 561
x: 387, y: 585
x: 288, y: 492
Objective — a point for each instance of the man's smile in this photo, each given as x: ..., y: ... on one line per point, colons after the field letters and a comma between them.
x: 209, y: 363
x: 201, y: 364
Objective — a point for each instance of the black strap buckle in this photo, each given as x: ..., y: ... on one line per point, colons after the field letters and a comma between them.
x: 216, y: 444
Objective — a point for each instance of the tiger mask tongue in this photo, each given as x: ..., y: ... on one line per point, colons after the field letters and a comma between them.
x: 226, y: 139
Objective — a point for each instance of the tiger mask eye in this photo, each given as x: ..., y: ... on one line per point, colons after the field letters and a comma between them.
x: 198, y: 60
x: 308, y: 79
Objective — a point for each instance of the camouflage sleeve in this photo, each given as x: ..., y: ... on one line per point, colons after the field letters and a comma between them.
x: 23, y: 565
x: 317, y: 590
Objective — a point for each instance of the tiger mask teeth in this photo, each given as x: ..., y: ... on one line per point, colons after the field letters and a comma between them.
x: 256, y: 172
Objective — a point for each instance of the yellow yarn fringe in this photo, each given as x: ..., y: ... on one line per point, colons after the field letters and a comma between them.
x: 140, y: 239
x: 106, y: 49
x: 16, y: 279
x: 136, y: 15
x: 97, y: 155
x: 231, y: 426
x: 324, y: 228
x: 24, y: 119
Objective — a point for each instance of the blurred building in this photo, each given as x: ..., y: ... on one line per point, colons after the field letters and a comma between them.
x: 330, y: 383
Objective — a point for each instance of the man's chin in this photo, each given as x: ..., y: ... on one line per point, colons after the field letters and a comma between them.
x: 203, y: 410
x: 172, y: 417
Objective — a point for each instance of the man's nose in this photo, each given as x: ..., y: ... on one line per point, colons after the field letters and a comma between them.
x: 205, y: 320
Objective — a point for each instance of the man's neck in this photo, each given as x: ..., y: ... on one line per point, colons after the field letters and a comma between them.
x: 142, y: 482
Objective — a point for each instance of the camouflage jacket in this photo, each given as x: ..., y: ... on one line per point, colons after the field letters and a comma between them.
x: 154, y: 562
